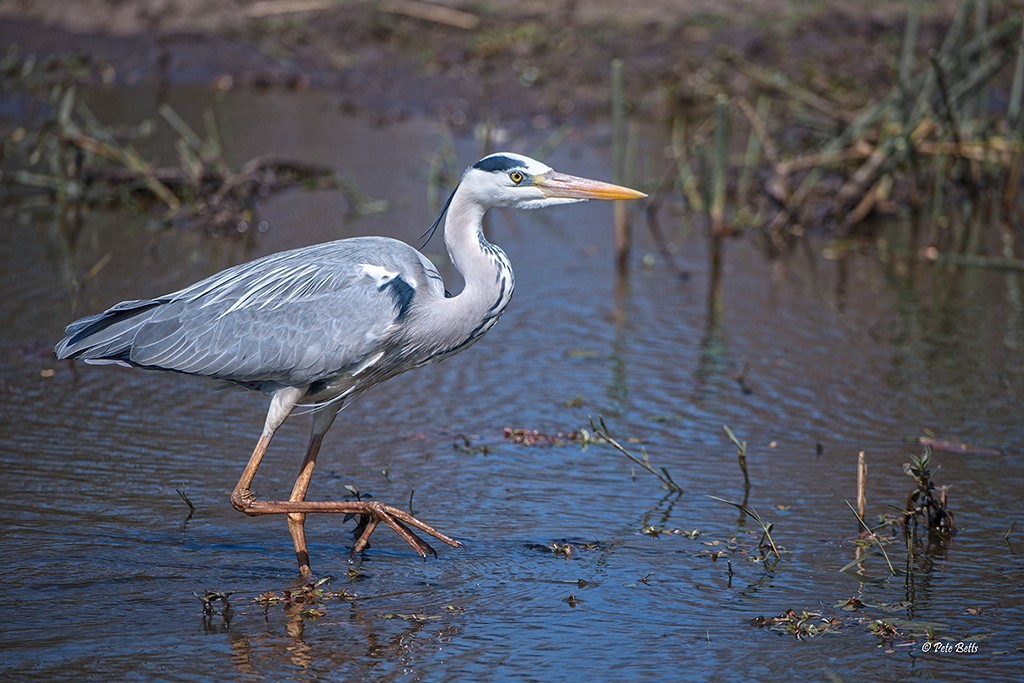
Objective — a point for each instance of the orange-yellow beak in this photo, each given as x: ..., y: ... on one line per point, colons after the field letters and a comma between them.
x: 554, y: 184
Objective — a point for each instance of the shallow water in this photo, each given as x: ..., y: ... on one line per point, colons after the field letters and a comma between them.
x: 100, y: 558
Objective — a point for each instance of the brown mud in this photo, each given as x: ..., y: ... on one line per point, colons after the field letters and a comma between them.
x: 472, y: 61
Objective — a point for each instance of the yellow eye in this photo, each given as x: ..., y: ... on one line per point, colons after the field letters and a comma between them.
x: 516, y: 177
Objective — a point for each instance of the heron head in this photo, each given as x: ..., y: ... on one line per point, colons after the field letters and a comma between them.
x: 508, y: 179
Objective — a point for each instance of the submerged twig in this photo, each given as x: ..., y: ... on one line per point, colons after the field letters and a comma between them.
x: 208, y: 598
x: 873, y: 537
x: 184, y: 497
x: 600, y: 430
x: 766, y: 528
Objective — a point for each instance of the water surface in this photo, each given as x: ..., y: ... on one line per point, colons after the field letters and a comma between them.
x: 101, y: 559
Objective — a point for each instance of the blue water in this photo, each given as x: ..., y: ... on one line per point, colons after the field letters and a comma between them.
x: 100, y: 559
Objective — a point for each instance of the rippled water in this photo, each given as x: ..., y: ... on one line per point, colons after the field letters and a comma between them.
x: 100, y: 559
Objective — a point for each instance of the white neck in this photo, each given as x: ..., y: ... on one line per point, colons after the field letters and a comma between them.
x: 486, y: 271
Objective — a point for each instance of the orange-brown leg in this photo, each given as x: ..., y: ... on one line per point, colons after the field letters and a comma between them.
x: 243, y: 499
x: 322, y: 421
x: 297, y: 520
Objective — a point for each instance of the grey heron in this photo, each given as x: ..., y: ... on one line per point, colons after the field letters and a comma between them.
x: 316, y: 326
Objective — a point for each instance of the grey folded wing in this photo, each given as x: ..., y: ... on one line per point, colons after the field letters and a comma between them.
x: 290, y: 319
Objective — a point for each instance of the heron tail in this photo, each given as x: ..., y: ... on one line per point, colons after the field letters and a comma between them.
x: 106, y: 336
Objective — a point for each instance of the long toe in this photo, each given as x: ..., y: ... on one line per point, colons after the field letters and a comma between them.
x: 372, y: 513
x: 421, y: 547
x: 409, y: 520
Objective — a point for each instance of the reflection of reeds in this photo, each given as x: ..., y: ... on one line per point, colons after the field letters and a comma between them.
x: 719, y: 164
x: 84, y: 162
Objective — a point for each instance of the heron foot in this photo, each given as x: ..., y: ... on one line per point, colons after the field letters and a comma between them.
x: 399, y: 520
x: 374, y: 512
x: 245, y: 502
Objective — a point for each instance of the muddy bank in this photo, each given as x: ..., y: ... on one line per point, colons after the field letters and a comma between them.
x: 543, y: 61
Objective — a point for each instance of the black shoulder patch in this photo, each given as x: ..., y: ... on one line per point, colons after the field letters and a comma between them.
x: 402, y: 293
x: 498, y: 163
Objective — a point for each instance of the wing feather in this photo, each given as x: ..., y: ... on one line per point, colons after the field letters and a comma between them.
x: 291, y: 318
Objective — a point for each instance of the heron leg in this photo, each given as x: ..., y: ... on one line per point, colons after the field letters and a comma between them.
x: 281, y: 406
x: 322, y: 421
x: 371, y: 513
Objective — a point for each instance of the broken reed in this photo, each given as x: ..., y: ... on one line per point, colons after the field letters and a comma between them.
x: 623, y: 238
x: 862, y: 481
x: 741, y: 455
x: 932, y: 141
